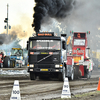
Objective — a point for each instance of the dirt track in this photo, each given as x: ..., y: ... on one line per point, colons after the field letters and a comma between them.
x: 43, y: 89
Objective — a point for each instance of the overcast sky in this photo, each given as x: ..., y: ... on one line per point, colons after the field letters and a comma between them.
x: 20, y: 13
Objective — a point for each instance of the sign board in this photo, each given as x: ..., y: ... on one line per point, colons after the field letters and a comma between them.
x: 79, y: 35
x: 45, y: 34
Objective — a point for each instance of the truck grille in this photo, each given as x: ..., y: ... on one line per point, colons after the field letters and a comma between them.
x: 39, y: 59
x: 44, y: 66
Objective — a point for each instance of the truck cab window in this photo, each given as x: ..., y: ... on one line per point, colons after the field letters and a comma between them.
x: 30, y: 44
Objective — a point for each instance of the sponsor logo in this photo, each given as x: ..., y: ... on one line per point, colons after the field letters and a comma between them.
x: 78, y: 51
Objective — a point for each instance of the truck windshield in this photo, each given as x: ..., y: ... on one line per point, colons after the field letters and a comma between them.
x: 80, y: 42
x: 16, y: 52
x: 45, y: 44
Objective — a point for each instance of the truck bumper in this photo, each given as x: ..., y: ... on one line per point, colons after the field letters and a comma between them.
x: 44, y: 70
x: 51, y: 72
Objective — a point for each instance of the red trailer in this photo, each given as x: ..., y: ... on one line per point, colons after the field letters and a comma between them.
x: 83, y: 64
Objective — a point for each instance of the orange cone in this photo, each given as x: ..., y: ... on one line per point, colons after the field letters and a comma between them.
x: 98, y: 89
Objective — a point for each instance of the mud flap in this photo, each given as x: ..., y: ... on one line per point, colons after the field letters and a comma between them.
x: 77, y: 73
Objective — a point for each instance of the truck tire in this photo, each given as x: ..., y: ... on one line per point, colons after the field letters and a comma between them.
x: 61, y: 76
x: 76, y: 71
x: 6, y: 63
x: 1, y: 65
x: 32, y: 76
x: 41, y: 77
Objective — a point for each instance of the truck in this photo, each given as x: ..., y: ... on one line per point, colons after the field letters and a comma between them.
x: 47, y: 56
x: 80, y: 52
x: 16, y: 57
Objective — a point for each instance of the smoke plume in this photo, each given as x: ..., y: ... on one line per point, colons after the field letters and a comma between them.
x: 12, y: 39
x: 46, y: 9
x: 7, y: 42
x: 18, y: 31
x: 15, y: 33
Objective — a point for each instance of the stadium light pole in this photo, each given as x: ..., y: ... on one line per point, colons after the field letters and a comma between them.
x: 7, y: 18
x: 6, y: 21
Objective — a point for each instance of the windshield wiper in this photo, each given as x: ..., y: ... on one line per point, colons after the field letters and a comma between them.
x: 44, y: 58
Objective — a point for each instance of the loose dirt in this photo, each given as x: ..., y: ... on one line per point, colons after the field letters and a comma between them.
x: 48, y: 88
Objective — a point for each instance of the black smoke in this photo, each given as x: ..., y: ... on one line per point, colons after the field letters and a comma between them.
x: 57, y: 9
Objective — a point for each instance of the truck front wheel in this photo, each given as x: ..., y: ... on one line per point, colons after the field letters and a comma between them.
x: 32, y: 76
x: 62, y: 75
x: 6, y: 63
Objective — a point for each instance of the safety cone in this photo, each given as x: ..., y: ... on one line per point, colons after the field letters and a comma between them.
x: 66, y: 89
x: 16, y: 91
x: 98, y: 88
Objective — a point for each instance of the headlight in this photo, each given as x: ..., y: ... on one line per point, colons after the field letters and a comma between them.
x: 21, y: 57
x: 56, y: 66
x: 31, y: 65
x: 18, y: 57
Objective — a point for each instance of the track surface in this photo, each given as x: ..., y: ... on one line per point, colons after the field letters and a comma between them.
x: 43, y: 89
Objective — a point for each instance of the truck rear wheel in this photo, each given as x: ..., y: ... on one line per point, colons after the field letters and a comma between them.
x: 6, y: 63
x: 1, y: 65
x: 61, y: 76
x: 32, y: 76
x: 76, y: 71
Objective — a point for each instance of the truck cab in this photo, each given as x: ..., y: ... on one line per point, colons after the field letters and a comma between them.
x: 47, y: 55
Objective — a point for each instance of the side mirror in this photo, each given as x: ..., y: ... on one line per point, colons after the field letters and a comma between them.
x: 64, y: 45
x: 27, y: 44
